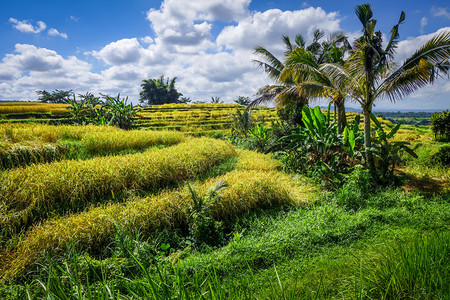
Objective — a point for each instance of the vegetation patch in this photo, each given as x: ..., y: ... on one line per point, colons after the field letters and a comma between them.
x: 69, y: 184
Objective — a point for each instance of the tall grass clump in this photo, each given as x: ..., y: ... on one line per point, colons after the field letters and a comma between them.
x: 417, y: 269
x: 94, y: 229
x: 28, y: 193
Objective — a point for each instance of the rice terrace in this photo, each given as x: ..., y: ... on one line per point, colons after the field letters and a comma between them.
x: 291, y: 193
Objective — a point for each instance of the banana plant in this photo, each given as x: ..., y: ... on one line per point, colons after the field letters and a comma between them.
x: 353, y: 139
x: 319, y: 144
x: 386, y: 151
x: 120, y: 113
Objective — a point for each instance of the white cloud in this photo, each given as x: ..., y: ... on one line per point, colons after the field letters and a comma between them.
x: 54, y: 32
x: 122, y: 52
x: 409, y: 46
x: 31, y: 68
x: 423, y: 23
x: 440, y: 12
x: 25, y: 26
x: 187, y: 22
x: 75, y: 19
x: 263, y: 28
x: 146, y: 40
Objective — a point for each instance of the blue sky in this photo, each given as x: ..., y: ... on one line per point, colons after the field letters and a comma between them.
x: 110, y: 46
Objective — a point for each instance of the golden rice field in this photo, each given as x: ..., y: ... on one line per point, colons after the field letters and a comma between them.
x: 46, y: 207
x: 195, y: 119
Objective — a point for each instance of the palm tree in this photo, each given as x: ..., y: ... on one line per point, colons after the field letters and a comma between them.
x: 273, y: 67
x: 289, y: 80
x: 373, y: 74
x: 317, y: 78
x: 159, y: 91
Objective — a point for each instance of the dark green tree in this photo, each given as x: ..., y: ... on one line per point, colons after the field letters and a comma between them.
x: 57, y: 96
x: 244, y: 101
x: 159, y: 91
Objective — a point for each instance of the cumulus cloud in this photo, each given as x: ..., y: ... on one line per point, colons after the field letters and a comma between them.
x: 25, y: 26
x: 440, y: 12
x: 31, y: 68
x: 407, y: 47
x: 263, y: 28
x: 122, y: 52
x: 54, y: 32
x: 187, y: 22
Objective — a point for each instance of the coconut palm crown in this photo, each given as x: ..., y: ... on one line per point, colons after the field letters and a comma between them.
x: 372, y: 73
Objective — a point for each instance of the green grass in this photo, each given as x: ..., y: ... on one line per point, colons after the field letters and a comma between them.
x: 322, y: 252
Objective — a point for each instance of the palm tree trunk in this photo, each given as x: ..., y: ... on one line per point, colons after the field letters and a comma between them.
x: 341, y: 118
x: 368, y: 142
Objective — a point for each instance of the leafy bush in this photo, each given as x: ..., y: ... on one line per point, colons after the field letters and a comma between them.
x: 317, y: 149
x: 112, y: 111
x: 354, y: 194
x: 387, y: 152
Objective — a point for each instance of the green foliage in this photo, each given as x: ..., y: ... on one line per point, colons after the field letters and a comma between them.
x: 119, y: 113
x: 440, y: 124
x: 242, y: 122
x: 387, y: 152
x: 316, y: 149
x: 291, y: 114
x: 216, y: 100
x: 57, y: 96
x: 112, y: 111
x: 442, y: 157
x: 244, y: 101
x: 159, y: 91
x: 417, y: 269
x: 260, y: 138
x: 203, y: 228
x: 353, y: 195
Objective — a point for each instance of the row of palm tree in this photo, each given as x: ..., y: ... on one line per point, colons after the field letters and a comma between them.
x: 364, y: 72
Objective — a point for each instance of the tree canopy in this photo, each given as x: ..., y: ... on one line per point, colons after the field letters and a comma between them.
x: 159, y: 91
x: 57, y: 96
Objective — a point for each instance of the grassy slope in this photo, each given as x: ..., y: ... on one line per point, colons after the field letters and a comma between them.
x: 351, y: 244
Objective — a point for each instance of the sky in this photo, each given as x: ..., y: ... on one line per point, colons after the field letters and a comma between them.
x: 109, y: 47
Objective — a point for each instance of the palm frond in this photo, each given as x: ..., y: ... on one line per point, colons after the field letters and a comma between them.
x: 393, y: 41
x: 422, y: 68
x: 266, y: 94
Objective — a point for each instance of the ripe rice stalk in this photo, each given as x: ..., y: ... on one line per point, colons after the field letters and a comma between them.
x: 20, y: 156
x: 248, y: 190
x: 251, y: 160
x: 28, y: 194
x: 96, y: 142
